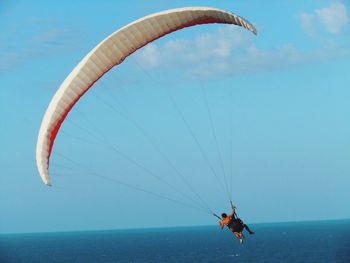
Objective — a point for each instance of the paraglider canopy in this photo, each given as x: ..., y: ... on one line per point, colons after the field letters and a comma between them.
x: 111, y: 52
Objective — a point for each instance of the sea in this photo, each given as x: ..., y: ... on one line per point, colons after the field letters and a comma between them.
x: 320, y: 241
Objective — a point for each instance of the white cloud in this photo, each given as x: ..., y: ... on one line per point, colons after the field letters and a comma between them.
x: 8, y: 60
x: 223, y: 49
x: 150, y: 56
x: 229, y: 51
x: 332, y: 19
x: 48, y: 36
x: 289, y: 55
x: 307, y: 22
x: 14, y: 52
x: 204, y: 55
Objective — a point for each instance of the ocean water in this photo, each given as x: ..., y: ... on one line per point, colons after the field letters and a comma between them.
x: 327, y: 241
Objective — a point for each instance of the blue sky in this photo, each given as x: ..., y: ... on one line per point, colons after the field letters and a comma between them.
x: 278, y: 103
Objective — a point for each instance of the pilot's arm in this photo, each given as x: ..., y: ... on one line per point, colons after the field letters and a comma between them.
x: 233, y: 213
x: 222, y: 224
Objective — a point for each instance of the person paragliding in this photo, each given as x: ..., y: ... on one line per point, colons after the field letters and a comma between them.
x: 235, y: 224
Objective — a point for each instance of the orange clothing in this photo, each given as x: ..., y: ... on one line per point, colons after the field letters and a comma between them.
x: 225, y: 221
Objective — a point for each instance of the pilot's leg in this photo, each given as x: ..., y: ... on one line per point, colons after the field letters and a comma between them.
x: 247, y: 228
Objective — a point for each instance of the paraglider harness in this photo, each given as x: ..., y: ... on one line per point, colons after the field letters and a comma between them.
x: 236, y: 225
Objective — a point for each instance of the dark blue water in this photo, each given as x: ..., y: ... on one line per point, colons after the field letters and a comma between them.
x: 327, y: 241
